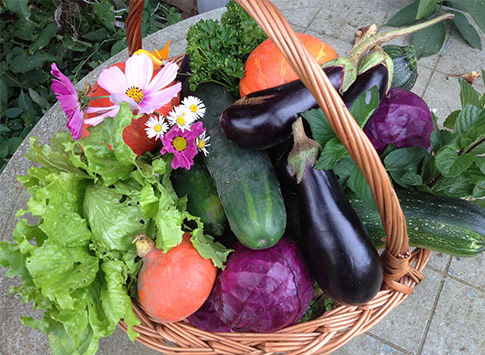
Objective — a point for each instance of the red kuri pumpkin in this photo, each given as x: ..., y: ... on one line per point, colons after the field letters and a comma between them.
x: 266, y: 67
x: 134, y: 135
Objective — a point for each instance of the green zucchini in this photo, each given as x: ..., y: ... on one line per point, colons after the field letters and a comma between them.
x: 443, y: 224
x: 405, y: 65
x: 202, y: 198
x: 245, y: 180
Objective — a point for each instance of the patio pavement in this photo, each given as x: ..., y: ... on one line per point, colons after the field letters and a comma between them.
x: 446, y: 313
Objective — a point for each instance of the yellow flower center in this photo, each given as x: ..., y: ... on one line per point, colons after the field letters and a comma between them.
x: 135, y: 93
x: 157, y: 128
x: 194, y: 108
x: 179, y: 143
x: 201, y: 144
x: 181, y: 120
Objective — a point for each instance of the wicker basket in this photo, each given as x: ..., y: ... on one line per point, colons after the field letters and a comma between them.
x: 402, y: 268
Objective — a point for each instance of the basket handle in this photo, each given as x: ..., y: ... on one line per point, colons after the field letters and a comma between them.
x: 397, y: 254
x: 133, y: 25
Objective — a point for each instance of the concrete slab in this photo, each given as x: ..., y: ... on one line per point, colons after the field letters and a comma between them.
x: 405, y: 326
x: 469, y: 270
x: 458, y: 324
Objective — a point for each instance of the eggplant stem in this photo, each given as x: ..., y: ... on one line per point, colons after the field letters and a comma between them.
x: 304, y: 150
x: 361, y: 47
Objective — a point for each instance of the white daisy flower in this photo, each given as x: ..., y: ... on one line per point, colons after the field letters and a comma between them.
x: 194, y: 105
x: 156, y: 127
x: 202, y: 143
x: 181, y: 117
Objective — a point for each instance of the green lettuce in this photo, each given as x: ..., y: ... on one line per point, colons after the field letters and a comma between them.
x: 78, y: 263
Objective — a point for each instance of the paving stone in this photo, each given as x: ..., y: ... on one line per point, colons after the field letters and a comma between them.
x: 406, y: 324
x: 469, y: 270
x: 422, y: 81
x: 296, y: 4
x: 301, y: 17
x: 443, y: 95
x: 340, y: 46
x: 119, y: 343
x: 438, y: 261
x: 459, y: 306
x: 343, y: 18
x: 365, y: 344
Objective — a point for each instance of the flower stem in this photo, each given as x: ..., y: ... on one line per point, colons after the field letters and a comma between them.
x: 99, y: 97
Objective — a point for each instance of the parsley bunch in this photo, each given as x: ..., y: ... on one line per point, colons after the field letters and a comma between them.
x: 218, y: 50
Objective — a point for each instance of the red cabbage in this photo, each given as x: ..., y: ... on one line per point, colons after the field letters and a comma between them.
x: 263, y: 290
x: 206, y: 318
x: 402, y: 119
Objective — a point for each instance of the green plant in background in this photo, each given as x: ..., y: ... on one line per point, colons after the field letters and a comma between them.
x: 78, y: 35
x: 430, y: 40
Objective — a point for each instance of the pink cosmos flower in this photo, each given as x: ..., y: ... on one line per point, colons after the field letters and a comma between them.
x: 182, y: 145
x: 69, y: 100
x: 136, y: 87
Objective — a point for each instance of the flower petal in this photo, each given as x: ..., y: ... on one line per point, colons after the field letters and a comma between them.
x: 139, y: 70
x: 113, y: 80
x: 94, y: 121
x: 75, y: 124
x: 164, y: 77
x: 64, y: 80
x: 117, y: 98
x: 159, y: 99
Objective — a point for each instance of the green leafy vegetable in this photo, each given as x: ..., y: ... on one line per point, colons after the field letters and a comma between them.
x: 218, y: 50
x: 78, y: 262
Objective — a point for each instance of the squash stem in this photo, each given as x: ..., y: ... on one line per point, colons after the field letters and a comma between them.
x: 143, y: 245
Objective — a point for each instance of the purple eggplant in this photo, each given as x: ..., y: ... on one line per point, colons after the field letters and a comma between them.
x: 338, y: 249
x: 376, y: 76
x: 263, y: 119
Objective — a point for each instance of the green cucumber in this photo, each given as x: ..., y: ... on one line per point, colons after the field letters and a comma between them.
x: 405, y: 65
x: 443, y: 224
x: 202, y: 198
x: 245, y: 180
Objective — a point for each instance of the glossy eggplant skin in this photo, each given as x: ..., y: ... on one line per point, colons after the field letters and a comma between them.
x: 375, y: 76
x: 338, y: 250
x: 263, y: 119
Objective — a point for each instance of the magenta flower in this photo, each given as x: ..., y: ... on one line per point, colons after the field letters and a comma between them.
x: 137, y: 87
x: 69, y: 100
x: 182, y: 145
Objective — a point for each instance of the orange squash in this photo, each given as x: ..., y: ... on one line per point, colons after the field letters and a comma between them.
x: 173, y: 285
x: 266, y: 67
x: 134, y: 135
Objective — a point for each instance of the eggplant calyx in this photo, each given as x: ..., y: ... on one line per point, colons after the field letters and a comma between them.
x: 377, y: 56
x: 305, y: 150
x: 349, y: 68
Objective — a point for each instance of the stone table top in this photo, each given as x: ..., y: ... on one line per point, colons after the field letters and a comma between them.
x: 446, y: 313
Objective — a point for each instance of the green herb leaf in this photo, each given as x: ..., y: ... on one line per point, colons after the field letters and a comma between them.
x: 429, y: 40
x: 19, y: 7
x: 466, y: 30
x: 450, y: 164
x: 359, y: 185
x: 104, y: 14
x: 468, y: 94
x: 44, y: 37
x: 476, y: 8
x: 450, y: 120
x: 466, y: 119
x: 425, y: 8
x: 403, y: 165
x: 322, y: 132
x: 333, y: 151
x: 405, y: 16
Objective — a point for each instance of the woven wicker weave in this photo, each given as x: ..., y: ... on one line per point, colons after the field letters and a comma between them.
x: 402, y: 268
